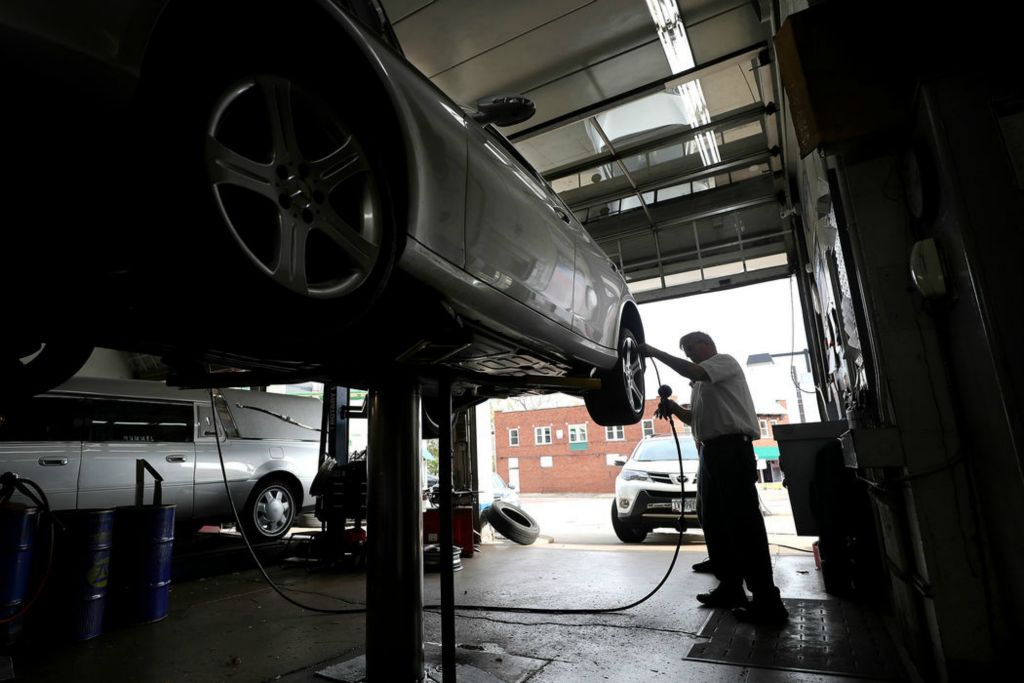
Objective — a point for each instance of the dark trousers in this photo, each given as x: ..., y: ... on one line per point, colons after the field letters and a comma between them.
x: 731, y: 515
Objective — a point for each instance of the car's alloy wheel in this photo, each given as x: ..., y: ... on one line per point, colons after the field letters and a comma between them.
x: 271, y: 510
x: 294, y: 187
x: 632, y: 372
x: 620, y: 400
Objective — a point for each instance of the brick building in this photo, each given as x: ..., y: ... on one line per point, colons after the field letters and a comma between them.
x: 561, y: 450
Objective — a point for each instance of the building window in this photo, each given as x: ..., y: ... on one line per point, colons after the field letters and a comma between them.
x: 771, y: 428
x: 648, y: 426
x: 513, y: 463
x: 614, y: 433
x: 513, y: 436
x: 542, y: 435
x: 578, y: 433
x: 764, y: 429
x: 547, y: 461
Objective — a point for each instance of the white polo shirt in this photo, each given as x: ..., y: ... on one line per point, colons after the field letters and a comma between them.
x: 723, y: 406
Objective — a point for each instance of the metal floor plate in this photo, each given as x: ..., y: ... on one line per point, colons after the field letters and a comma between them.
x: 822, y: 636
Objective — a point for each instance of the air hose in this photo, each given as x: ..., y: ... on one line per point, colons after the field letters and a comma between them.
x: 664, y: 391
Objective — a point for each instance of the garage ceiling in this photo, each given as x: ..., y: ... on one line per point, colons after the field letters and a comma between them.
x: 655, y: 122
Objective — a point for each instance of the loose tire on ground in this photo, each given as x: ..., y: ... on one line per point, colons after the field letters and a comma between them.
x: 513, y: 523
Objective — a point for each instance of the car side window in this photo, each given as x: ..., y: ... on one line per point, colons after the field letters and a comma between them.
x: 225, y: 423
x: 44, y: 418
x: 142, y: 421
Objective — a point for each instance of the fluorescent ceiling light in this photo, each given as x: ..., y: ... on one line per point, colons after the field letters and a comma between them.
x: 674, y: 42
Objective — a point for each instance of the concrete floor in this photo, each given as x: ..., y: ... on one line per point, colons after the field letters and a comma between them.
x: 234, y: 628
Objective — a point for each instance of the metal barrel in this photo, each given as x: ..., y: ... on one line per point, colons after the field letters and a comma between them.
x: 87, y: 557
x: 142, y: 562
x: 18, y: 524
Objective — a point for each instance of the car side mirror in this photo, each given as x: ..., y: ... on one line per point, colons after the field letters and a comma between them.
x: 503, y: 110
x: 619, y: 462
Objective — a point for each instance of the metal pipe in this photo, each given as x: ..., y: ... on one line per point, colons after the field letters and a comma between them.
x: 444, y: 482
x: 394, y: 558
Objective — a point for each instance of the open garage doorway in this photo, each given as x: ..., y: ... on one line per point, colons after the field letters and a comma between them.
x: 566, y: 466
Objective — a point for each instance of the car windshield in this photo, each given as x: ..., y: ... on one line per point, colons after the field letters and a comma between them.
x: 497, y: 482
x: 664, y: 449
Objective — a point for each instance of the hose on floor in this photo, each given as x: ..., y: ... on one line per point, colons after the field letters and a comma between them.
x: 241, y: 530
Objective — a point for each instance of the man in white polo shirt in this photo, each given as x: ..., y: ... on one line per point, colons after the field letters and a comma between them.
x: 725, y: 426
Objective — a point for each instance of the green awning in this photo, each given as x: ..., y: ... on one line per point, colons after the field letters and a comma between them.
x: 766, y: 452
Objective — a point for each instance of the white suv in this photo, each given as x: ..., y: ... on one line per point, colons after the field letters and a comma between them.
x: 647, y: 490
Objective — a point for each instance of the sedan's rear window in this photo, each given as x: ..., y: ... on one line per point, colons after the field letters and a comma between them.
x: 654, y: 450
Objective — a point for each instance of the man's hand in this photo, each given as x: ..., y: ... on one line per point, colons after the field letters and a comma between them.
x: 666, y: 409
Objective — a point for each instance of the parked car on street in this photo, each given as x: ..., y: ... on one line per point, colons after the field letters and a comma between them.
x: 647, y: 490
x: 238, y: 182
x: 500, y: 491
x: 80, y: 443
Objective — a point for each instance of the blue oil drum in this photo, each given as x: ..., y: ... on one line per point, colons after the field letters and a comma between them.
x: 18, y: 525
x: 85, y: 565
x: 144, y: 540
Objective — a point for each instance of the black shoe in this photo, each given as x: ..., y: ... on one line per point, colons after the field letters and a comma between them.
x: 720, y: 597
x: 769, y: 612
x: 704, y: 567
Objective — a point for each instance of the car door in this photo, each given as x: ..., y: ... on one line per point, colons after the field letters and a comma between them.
x: 211, y: 500
x: 40, y: 440
x: 123, y: 431
x: 518, y: 239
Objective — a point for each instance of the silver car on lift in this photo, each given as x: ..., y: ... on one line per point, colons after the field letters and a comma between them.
x: 80, y: 443
x: 297, y: 170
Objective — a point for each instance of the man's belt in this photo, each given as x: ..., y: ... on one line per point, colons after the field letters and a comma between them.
x: 729, y: 437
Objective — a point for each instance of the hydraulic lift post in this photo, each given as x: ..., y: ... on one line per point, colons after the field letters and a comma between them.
x: 394, y: 561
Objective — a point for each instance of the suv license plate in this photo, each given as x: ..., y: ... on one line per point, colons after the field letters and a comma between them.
x: 684, y: 504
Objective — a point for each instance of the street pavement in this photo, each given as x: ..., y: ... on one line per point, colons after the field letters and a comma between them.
x: 585, y: 519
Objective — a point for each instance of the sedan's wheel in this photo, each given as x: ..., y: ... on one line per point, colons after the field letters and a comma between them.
x: 294, y: 187
x: 270, y: 511
x: 620, y: 400
x: 626, y: 532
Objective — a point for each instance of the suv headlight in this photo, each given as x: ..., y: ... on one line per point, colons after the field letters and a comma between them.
x: 634, y: 475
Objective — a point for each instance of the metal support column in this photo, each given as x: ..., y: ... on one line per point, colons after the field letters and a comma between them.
x: 394, y: 562
x: 444, y: 481
x: 339, y: 442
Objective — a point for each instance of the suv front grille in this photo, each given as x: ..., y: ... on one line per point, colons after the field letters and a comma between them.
x: 662, y: 478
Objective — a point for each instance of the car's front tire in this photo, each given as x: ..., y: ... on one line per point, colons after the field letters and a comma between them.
x: 620, y: 400
x: 271, y: 174
x: 627, y: 533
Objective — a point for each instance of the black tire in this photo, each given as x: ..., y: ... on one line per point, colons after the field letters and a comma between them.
x: 234, y: 105
x: 54, y: 364
x: 513, y: 523
x: 625, y: 532
x: 620, y: 400
x: 271, y: 510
